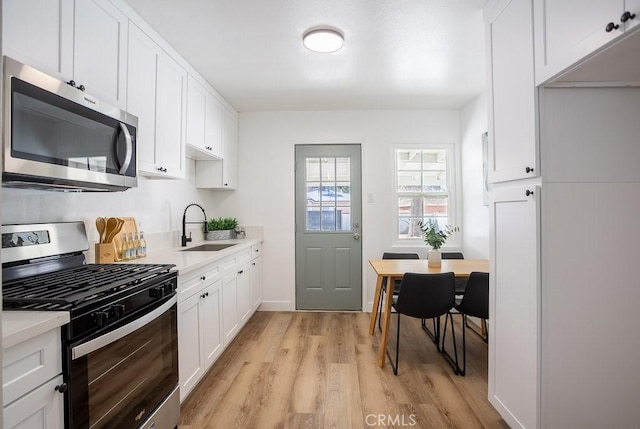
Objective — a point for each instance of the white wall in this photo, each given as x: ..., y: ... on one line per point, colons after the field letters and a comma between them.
x: 157, y: 205
x: 475, y: 218
x: 265, y: 194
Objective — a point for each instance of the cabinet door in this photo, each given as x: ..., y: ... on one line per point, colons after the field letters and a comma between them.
x: 100, y: 50
x: 196, y: 112
x: 569, y: 30
x: 42, y: 408
x: 229, y: 164
x: 244, y: 292
x: 141, y: 93
x: 39, y: 33
x: 170, y: 118
x: 256, y: 282
x: 214, y: 126
x: 514, y: 306
x: 230, y: 317
x: 211, y: 329
x: 513, y: 142
x: 190, y: 354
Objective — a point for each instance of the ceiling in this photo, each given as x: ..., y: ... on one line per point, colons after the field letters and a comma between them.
x: 398, y: 54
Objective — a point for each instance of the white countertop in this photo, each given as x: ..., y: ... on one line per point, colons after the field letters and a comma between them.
x: 186, y: 261
x: 19, y: 326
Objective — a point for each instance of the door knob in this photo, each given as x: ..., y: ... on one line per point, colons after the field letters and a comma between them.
x: 356, y: 236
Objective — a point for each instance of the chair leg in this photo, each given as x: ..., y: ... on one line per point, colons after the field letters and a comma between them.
x: 484, y: 334
x: 380, y: 312
x: 395, y: 366
x: 453, y: 361
x: 435, y: 335
x: 464, y: 345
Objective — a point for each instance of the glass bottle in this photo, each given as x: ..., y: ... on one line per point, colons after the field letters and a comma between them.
x: 133, y: 253
x: 126, y: 249
x: 136, y: 245
x: 143, y: 245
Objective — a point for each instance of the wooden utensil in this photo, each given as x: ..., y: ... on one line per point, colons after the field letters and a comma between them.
x: 112, y: 223
x: 101, y: 225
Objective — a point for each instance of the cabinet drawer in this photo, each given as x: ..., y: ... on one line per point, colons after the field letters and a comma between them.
x: 256, y: 250
x: 27, y: 365
x: 193, y: 282
x: 243, y: 256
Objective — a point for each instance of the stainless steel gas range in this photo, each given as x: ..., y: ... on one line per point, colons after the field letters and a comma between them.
x: 120, y: 350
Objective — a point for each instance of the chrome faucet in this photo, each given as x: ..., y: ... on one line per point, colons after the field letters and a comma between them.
x: 186, y: 239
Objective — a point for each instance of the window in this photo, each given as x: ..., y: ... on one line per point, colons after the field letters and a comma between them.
x: 423, y: 188
x: 328, y: 184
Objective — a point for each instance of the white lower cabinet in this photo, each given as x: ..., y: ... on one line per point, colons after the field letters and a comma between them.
x: 213, y: 305
x: 514, y: 364
x: 31, y: 377
x: 199, y: 337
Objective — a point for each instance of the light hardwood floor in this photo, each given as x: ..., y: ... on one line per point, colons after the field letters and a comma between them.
x: 318, y: 370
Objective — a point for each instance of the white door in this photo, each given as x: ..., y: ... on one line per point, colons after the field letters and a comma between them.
x: 328, y: 217
x: 514, y: 305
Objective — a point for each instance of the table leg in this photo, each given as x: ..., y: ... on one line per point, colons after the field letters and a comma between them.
x: 385, y: 322
x: 376, y: 304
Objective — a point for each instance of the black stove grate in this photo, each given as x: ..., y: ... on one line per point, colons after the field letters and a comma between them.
x: 67, y: 289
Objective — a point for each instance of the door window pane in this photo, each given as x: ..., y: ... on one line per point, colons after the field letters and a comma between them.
x: 328, y: 185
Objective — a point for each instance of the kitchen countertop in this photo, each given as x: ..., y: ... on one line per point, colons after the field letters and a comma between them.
x: 186, y: 261
x: 19, y: 326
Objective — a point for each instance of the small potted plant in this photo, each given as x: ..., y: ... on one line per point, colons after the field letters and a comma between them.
x: 435, y: 238
x: 222, y: 228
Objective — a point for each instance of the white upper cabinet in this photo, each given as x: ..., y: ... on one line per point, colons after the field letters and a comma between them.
x: 221, y: 174
x: 83, y: 41
x: 44, y: 39
x: 170, y: 118
x: 156, y: 95
x: 204, y: 123
x: 513, y: 140
x: 569, y: 30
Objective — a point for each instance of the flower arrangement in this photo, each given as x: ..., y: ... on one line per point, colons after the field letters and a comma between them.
x: 433, y: 235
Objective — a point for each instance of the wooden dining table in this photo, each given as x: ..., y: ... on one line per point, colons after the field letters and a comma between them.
x: 393, y: 269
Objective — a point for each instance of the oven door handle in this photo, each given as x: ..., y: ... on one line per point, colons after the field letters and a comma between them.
x: 110, y: 337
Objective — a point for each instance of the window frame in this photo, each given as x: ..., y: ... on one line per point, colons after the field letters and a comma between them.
x: 453, y: 180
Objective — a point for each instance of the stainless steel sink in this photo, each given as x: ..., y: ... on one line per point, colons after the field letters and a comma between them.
x: 207, y: 248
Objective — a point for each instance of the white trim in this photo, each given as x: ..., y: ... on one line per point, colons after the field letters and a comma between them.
x: 275, y: 306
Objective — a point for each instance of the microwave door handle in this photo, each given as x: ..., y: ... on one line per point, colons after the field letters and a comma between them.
x: 129, y: 155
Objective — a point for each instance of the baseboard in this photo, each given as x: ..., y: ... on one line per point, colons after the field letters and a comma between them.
x: 275, y: 306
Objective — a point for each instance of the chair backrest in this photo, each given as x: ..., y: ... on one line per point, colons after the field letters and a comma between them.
x: 390, y: 255
x: 476, y: 296
x: 452, y: 255
x: 426, y: 295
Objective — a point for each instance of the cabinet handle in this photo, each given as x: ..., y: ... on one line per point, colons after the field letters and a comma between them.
x: 203, y: 278
x: 528, y: 193
x: 206, y: 294
x: 203, y: 296
x: 226, y: 184
x: 528, y: 169
x: 627, y: 16
x: 62, y: 387
x: 254, y: 264
x: 241, y: 271
x: 610, y: 27
x: 81, y: 88
x: 162, y: 169
x: 209, y: 148
x: 72, y: 83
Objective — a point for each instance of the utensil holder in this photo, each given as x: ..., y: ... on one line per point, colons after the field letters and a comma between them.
x: 105, y: 253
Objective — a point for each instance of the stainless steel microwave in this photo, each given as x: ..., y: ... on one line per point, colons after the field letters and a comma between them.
x: 56, y: 136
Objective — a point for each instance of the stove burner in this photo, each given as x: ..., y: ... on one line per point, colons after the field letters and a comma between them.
x: 70, y: 288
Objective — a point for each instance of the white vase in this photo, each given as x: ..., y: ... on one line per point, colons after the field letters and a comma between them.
x: 434, y: 258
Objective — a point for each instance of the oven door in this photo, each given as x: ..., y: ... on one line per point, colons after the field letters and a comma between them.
x: 123, y: 377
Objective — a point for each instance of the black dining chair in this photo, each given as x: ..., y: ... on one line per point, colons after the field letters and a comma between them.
x: 396, y: 284
x: 460, y: 285
x: 475, y: 303
x: 423, y: 296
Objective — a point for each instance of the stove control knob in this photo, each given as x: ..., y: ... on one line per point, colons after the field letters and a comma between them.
x: 168, y: 288
x: 157, y: 292
x: 117, y: 311
x: 100, y: 318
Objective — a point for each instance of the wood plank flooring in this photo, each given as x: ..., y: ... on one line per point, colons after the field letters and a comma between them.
x: 318, y: 370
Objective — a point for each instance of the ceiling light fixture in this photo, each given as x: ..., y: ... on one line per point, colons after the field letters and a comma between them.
x: 323, y: 40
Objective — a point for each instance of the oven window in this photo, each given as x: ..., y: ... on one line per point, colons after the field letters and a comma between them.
x: 128, y: 379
